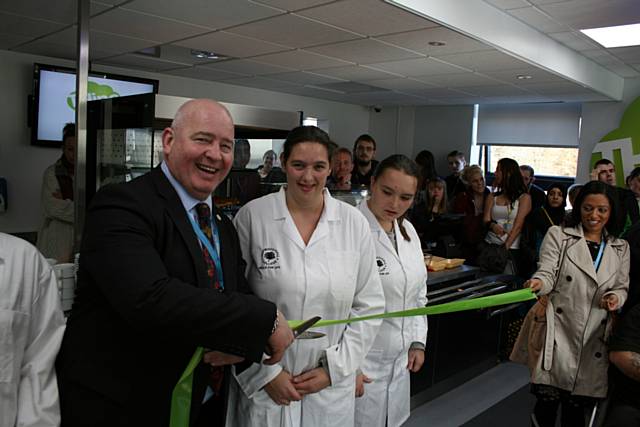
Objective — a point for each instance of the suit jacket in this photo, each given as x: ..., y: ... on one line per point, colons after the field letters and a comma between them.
x: 144, y: 302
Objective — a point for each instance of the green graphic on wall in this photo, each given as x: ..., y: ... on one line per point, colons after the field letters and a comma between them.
x: 94, y: 91
x: 622, y: 145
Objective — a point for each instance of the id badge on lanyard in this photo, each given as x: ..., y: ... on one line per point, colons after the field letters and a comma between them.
x: 596, y: 263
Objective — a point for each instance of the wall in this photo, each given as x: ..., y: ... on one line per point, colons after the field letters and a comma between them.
x: 598, y: 119
x: 442, y: 129
x: 22, y: 164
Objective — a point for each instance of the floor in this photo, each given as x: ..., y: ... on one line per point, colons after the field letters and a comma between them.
x: 498, y: 397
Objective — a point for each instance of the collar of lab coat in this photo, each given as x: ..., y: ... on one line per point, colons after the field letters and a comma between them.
x: 329, y: 214
x: 379, y: 232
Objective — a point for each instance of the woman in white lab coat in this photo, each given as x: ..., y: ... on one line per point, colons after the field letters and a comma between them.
x: 383, y: 386
x: 311, y: 255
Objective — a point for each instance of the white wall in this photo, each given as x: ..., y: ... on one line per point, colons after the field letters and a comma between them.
x: 442, y: 129
x: 22, y: 164
x: 600, y: 118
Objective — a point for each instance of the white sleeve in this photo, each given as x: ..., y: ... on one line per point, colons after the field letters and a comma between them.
x: 420, y: 323
x: 346, y: 357
x: 38, y: 403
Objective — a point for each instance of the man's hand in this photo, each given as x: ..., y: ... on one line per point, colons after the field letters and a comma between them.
x: 595, y: 175
x: 610, y: 302
x: 218, y: 358
x: 311, y: 381
x: 361, y: 380
x: 281, y: 389
x: 416, y: 359
x: 278, y: 342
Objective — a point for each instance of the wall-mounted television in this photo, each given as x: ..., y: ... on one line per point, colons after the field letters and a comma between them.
x: 54, y: 97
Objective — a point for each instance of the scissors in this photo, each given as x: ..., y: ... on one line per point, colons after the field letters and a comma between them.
x: 301, y: 332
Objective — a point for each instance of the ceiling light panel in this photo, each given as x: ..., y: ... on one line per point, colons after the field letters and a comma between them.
x: 619, y: 36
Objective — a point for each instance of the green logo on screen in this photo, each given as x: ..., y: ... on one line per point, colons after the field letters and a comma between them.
x: 94, y: 91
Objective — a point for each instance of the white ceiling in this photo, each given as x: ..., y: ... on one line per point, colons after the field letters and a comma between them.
x: 356, y: 51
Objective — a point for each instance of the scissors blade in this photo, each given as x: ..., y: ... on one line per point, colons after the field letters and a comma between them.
x: 310, y: 335
x: 304, y: 326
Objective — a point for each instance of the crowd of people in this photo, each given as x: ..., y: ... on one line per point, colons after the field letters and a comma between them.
x: 162, y: 271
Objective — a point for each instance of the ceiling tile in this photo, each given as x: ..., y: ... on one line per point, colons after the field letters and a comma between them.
x: 516, y: 99
x: 601, y: 56
x: 365, y: 51
x: 623, y: 70
x: 229, y: 44
x: 626, y: 54
x: 368, y: 17
x: 353, y: 72
x: 303, y: 78
x: 511, y: 76
x: 315, y: 92
x: 418, y: 41
x: 261, y: 83
x: 384, y: 98
x: 459, y: 80
x: 203, y: 73
x: 574, y: 40
x: 300, y: 60
x: 247, y: 67
x: 214, y: 14
x: 484, y: 61
x: 508, y: 4
x: 292, y: 5
x: 401, y: 84
x: 180, y: 54
x: 535, y: 18
x: 291, y: 30
x: 502, y: 90
x: 580, y: 14
x: 60, y: 11
x: 40, y: 47
x: 417, y: 67
x: 143, y: 62
x: 23, y: 26
x: 142, y: 26
x: 440, y: 92
x: 555, y: 88
x: 107, y: 43
x: 8, y: 41
x: 350, y: 87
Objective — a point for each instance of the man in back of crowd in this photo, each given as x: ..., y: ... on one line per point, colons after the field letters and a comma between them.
x: 364, y: 151
x: 627, y: 211
x: 341, y: 169
x: 161, y: 273
x: 536, y: 193
x: 633, y: 182
x: 456, y: 162
x: 242, y: 183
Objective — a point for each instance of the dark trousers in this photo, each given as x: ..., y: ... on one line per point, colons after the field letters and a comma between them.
x: 83, y: 407
x: 622, y: 415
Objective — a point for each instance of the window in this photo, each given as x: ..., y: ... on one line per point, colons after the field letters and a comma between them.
x: 545, y: 161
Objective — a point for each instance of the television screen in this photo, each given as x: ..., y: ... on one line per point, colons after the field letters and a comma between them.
x: 55, y: 97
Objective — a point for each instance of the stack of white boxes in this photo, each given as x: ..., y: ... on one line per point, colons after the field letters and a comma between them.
x: 66, y: 276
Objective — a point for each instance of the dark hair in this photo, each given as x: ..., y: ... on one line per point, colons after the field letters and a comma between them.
x: 427, y: 165
x: 456, y: 153
x: 634, y: 174
x: 364, y: 137
x: 305, y: 134
x: 528, y: 169
x: 402, y: 164
x: 602, y: 162
x: 562, y: 189
x: 68, y: 131
x: 595, y: 187
x: 512, y: 185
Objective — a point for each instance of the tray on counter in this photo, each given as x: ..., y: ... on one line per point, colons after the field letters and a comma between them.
x: 436, y: 263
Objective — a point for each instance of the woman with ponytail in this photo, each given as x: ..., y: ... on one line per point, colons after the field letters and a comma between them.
x: 382, y: 386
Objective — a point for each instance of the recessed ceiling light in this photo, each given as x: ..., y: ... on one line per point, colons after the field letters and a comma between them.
x: 203, y: 54
x: 618, y: 36
x: 436, y: 43
x: 523, y: 77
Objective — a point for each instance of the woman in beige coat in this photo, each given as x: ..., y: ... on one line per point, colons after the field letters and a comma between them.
x: 584, y: 270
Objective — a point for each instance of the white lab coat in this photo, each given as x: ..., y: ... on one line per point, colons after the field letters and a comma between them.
x: 404, y: 281
x: 31, y: 328
x: 333, y: 276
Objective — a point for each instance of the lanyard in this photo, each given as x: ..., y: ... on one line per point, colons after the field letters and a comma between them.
x: 596, y: 263
x: 547, y: 214
x: 207, y: 244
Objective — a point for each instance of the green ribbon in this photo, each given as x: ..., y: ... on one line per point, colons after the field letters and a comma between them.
x: 181, y: 397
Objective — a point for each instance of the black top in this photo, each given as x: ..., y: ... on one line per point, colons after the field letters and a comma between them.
x: 454, y: 186
x: 626, y: 338
x: 537, y: 197
x: 358, y: 180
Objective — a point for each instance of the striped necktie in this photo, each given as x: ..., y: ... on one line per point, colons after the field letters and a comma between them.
x: 204, y: 221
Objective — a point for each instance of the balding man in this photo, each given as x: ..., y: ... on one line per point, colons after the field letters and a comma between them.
x: 161, y: 273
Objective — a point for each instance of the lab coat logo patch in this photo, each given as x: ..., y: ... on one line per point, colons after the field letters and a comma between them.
x: 382, y: 266
x: 270, y: 259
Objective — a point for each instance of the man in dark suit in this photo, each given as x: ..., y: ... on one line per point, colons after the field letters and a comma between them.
x: 537, y: 194
x: 148, y: 293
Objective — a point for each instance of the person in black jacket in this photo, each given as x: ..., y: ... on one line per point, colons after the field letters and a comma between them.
x: 150, y: 290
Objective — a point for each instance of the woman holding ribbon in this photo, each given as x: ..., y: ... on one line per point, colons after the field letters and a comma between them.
x: 313, y: 256
x: 584, y: 270
x: 383, y: 385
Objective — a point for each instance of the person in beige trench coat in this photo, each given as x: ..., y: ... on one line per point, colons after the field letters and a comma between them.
x: 572, y: 365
